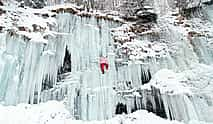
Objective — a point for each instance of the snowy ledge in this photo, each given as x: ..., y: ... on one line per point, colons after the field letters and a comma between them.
x: 33, y: 24
x: 192, y: 28
x: 197, y: 80
x: 168, y: 82
x: 128, y: 45
x: 123, y: 35
x: 79, y: 10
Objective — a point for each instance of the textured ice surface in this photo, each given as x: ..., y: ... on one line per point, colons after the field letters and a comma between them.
x: 185, y: 89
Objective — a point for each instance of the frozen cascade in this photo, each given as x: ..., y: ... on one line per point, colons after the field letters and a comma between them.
x: 24, y: 62
x: 179, y: 102
x: 180, y: 107
x: 184, y: 107
x: 89, y: 94
x: 86, y: 100
x: 205, y: 54
x: 90, y: 90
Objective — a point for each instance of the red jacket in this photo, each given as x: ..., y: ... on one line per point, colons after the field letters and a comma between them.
x: 103, y: 60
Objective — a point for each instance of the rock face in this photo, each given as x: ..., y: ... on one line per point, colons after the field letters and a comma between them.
x: 2, y: 11
x: 32, y: 3
x: 89, y: 91
x: 186, y: 4
x: 209, y: 2
x: 1, y: 3
x: 146, y: 16
x: 1, y: 28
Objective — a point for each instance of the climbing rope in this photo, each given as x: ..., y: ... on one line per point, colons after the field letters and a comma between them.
x: 103, y: 96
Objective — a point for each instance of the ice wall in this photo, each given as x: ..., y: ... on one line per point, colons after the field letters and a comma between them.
x: 90, y: 95
x: 89, y: 92
x: 22, y: 69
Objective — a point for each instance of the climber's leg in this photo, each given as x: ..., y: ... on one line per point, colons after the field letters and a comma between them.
x: 102, y: 67
x: 107, y: 65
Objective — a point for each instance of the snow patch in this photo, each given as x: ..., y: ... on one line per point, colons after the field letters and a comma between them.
x: 168, y: 82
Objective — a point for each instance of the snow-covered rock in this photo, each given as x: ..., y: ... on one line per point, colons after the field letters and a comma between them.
x: 26, y: 21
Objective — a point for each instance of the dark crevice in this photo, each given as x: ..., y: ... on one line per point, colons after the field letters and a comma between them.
x: 208, y: 2
x: 154, y: 102
x: 145, y: 76
x: 47, y: 83
x: 1, y: 3
x: 66, y: 65
x: 149, y: 106
x: 160, y: 109
x: 121, y: 108
x: 135, y: 105
x: 77, y: 103
x: 170, y: 115
x: 192, y: 12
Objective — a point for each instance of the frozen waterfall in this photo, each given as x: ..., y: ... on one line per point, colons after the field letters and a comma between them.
x: 90, y: 94
x: 67, y: 68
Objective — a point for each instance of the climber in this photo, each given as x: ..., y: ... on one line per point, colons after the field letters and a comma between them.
x: 103, y: 64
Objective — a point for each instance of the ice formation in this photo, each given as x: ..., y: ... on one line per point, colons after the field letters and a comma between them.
x: 163, y: 67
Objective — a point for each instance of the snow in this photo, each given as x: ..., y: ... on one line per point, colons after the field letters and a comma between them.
x: 146, y: 118
x: 54, y: 112
x: 21, y: 21
x: 34, y: 36
x: 200, y: 77
x: 192, y: 81
x: 80, y: 11
x: 168, y: 82
x: 33, y: 114
x: 144, y: 49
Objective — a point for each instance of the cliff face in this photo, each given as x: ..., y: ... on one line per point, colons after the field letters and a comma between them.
x: 159, y: 55
x: 32, y: 3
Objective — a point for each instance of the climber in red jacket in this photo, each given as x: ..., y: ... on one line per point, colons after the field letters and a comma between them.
x: 103, y: 64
